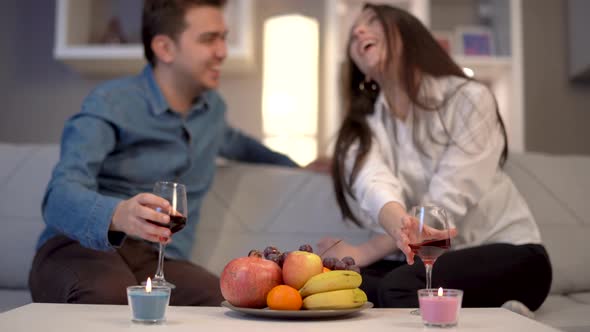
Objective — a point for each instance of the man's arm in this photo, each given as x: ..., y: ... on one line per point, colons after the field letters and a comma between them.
x: 241, y: 147
x: 72, y: 204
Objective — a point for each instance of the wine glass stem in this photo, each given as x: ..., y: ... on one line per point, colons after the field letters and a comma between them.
x: 428, y: 275
x: 160, y: 270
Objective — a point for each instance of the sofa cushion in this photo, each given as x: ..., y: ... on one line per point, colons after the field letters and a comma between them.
x: 253, y: 206
x: 583, y: 297
x: 564, y: 313
x: 25, y: 171
x: 13, y: 298
x: 557, y: 190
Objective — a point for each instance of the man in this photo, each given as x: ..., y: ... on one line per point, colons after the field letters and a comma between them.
x: 165, y: 124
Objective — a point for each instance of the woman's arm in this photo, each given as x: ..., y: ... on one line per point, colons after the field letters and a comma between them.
x: 365, y: 254
x: 375, y: 184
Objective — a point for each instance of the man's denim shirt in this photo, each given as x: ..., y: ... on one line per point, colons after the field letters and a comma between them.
x: 124, y: 140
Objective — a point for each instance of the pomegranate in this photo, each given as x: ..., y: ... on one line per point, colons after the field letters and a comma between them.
x: 246, y: 281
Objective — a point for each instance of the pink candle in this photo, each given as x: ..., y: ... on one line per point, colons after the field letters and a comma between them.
x: 440, y: 308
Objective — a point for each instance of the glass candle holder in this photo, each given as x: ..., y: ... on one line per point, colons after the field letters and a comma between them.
x: 440, y: 308
x: 148, y: 307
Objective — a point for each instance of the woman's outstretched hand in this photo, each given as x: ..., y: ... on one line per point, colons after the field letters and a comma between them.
x: 408, y: 234
x: 403, y: 228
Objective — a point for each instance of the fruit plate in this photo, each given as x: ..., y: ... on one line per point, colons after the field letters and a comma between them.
x: 269, y: 313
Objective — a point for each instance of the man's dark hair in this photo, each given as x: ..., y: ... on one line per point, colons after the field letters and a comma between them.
x: 166, y: 17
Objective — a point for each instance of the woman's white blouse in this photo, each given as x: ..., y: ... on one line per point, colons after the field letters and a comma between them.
x: 458, y: 170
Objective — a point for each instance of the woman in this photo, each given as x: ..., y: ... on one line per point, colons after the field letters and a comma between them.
x: 418, y: 131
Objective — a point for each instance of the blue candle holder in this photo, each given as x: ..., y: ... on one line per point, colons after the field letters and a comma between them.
x: 148, y: 307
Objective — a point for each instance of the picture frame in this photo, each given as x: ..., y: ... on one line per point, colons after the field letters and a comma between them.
x: 445, y: 40
x: 474, y: 41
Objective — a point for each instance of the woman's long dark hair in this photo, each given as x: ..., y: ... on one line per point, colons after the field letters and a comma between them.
x: 421, y: 54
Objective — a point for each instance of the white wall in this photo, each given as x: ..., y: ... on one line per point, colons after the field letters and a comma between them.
x: 578, y: 40
x: 37, y: 94
x: 557, y: 112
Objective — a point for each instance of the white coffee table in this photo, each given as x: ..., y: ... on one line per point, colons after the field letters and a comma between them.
x: 112, y: 318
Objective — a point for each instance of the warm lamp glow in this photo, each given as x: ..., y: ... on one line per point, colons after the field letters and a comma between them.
x: 290, y: 86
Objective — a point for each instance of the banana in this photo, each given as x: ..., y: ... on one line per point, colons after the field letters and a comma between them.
x: 331, y: 281
x: 338, y: 299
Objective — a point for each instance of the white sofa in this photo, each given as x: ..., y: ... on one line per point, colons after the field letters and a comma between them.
x: 255, y: 206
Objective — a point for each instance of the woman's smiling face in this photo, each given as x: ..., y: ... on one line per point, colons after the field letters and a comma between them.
x: 367, y: 43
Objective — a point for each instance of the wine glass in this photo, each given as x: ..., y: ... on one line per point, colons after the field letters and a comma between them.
x: 430, y: 238
x: 175, y: 193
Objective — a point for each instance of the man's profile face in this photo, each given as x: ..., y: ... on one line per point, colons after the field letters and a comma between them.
x: 201, y: 47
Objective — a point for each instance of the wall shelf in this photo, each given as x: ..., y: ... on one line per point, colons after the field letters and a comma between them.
x: 79, y: 22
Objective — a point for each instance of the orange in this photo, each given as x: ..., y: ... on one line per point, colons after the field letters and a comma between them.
x: 326, y: 269
x: 283, y: 297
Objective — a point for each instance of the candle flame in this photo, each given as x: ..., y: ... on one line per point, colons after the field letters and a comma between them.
x: 440, y: 291
x: 148, y: 285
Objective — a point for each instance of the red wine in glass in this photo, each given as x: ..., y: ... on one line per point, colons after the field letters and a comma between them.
x: 175, y: 193
x: 430, y: 250
x: 429, y: 232
x: 176, y: 223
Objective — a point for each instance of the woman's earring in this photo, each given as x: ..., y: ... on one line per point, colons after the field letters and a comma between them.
x: 370, y: 85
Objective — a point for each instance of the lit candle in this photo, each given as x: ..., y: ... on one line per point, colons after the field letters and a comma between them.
x: 148, y: 304
x: 440, y: 308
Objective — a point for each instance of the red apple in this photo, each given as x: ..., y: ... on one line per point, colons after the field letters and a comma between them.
x: 246, y: 281
x: 299, y: 266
